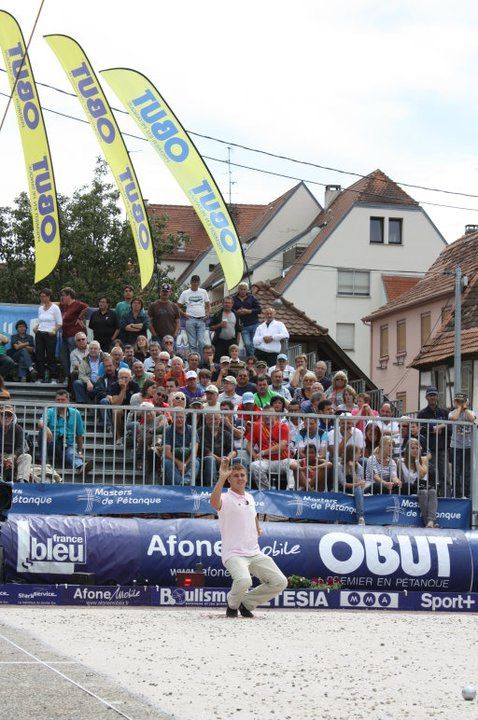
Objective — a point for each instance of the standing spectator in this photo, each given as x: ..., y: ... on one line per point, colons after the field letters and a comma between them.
x: 176, y: 371
x: 336, y: 390
x: 23, y: 352
x: 79, y: 352
x: 88, y: 374
x: 247, y: 308
x: 436, y: 435
x: 268, y: 337
x: 297, y: 377
x: 229, y: 392
x: 154, y: 351
x: 278, y: 387
x: 104, y: 324
x: 195, y: 308
x: 178, y: 445
x: 65, y: 434
x: 243, y: 383
x: 123, y: 307
x: 320, y: 371
x: 73, y: 312
x: 363, y: 410
x: 191, y: 389
x: 282, y: 365
x: 7, y: 365
x: 133, y: 323
x: 226, y: 328
x: 263, y: 396
x: 461, y: 442
x: 15, y: 461
x: 164, y: 317
x: 49, y: 322
x: 141, y: 348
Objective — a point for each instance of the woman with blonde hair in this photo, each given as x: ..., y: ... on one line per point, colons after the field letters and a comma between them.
x: 141, y: 348
x: 336, y: 391
x: 414, y: 473
x: 381, y: 468
x: 349, y: 403
x: 305, y: 392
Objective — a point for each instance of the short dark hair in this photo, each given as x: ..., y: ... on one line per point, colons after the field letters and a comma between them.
x: 195, y: 277
x: 174, y: 380
x: 63, y: 393
x: 20, y: 322
x: 104, y: 297
x: 68, y: 291
x: 276, y: 398
x: 323, y: 403
x: 128, y: 287
x: 46, y: 291
x: 146, y: 386
x: 227, y: 403
x: 262, y: 377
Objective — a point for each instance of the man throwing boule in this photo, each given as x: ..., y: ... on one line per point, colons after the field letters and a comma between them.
x: 241, y: 554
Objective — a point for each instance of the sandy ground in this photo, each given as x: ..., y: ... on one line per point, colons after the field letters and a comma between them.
x: 197, y: 665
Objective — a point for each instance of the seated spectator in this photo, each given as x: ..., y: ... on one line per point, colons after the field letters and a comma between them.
x: 176, y: 371
x: 168, y: 345
x: 128, y: 354
x: 311, y: 434
x: 282, y: 365
x: 320, y: 371
x: 325, y: 407
x: 268, y: 446
x: 314, y: 470
x: 372, y: 438
x: 297, y: 377
x: 211, y: 398
x: 148, y: 393
x: 172, y: 387
x: 141, y: 348
x: 194, y: 359
x: 4, y: 393
x: 204, y: 378
x: 191, y: 389
x: 16, y: 462
x: 223, y: 370
x: 154, y: 351
x: 217, y: 442
x: 65, y: 435
x: 226, y: 328
x: 349, y: 404
x: 104, y: 324
x: 22, y: 352
x: 243, y: 383
x: 264, y: 394
x: 336, y: 390
x: 159, y: 374
x: 7, y: 365
x: 460, y: 444
x: 121, y: 392
x: 79, y: 352
x: 144, y: 430
x: 304, y: 393
x: 381, y: 468
x: 104, y: 384
x: 389, y: 427
x: 294, y: 423
x: 351, y: 477
x: 261, y: 368
x: 178, y: 446
x: 268, y: 337
x: 123, y: 307
x: 165, y: 358
x: 236, y: 362
x: 229, y: 391
x: 207, y: 359
x: 116, y: 356
x: 348, y: 435
x: 139, y: 374
x: 414, y: 475
x: 236, y: 425
x: 246, y: 408
x: 88, y: 374
x: 133, y: 323
x: 251, y: 365
x: 278, y: 387
x: 363, y: 410
x: 312, y: 405
x: 178, y: 399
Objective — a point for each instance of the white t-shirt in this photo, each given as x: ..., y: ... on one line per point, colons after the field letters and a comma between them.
x: 237, y: 524
x: 49, y: 319
x: 195, y: 302
x: 356, y: 438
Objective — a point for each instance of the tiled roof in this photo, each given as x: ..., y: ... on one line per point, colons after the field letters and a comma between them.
x: 441, y: 347
x: 375, y: 188
x: 438, y: 280
x: 183, y: 218
x: 396, y: 285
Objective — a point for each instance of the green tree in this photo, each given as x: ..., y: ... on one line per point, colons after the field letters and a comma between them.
x: 97, y: 248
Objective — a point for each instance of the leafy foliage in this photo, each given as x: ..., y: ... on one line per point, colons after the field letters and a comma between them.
x: 97, y: 248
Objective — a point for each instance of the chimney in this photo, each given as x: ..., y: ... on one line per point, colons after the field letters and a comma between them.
x: 469, y: 229
x: 331, y: 192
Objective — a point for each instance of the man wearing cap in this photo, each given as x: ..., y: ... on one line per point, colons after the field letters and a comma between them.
x: 229, y: 391
x: 437, y: 438
x: 226, y: 327
x: 211, y: 398
x: 195, y: 308
x: 191, y: 389
x: 268, y: 337
x: 282, y: 365
x: 16, y: 462
x: 164, y: 318
x: 460, y: 444
x: 247, y: 309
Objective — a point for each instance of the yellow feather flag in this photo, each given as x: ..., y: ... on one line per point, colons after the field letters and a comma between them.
x: 100, y: 116
x: 41, y: 182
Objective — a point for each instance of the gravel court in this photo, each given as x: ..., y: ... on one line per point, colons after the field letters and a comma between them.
x: 194, y: 664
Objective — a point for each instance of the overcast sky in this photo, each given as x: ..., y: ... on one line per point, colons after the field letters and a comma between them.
x: 356, y: 85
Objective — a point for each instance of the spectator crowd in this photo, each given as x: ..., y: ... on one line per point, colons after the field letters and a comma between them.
x: 291, y: 426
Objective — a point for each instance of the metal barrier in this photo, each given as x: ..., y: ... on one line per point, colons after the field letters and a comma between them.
x: 137, y: 445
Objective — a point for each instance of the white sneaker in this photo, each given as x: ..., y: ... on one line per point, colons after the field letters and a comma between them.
x: 361, y: 521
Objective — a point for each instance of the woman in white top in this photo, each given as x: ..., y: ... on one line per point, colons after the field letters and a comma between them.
x: 382, y: 469
x: 49, y: 322
x: 414, y: 474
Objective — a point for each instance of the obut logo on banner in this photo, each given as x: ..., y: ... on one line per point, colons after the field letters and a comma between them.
x: 48, y: 552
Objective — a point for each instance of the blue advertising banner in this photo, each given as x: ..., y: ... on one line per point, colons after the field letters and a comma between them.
x: 74, y: 499
x: 149, y: 551
x: 10, y: 314
x: 291, y: 598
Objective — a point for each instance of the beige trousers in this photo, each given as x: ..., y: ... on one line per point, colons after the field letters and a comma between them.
x: 23, y: 466
x: 261, y: 566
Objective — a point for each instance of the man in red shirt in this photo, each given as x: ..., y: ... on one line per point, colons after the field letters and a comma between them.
x: 73, y: 312
x: 268, y: 445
